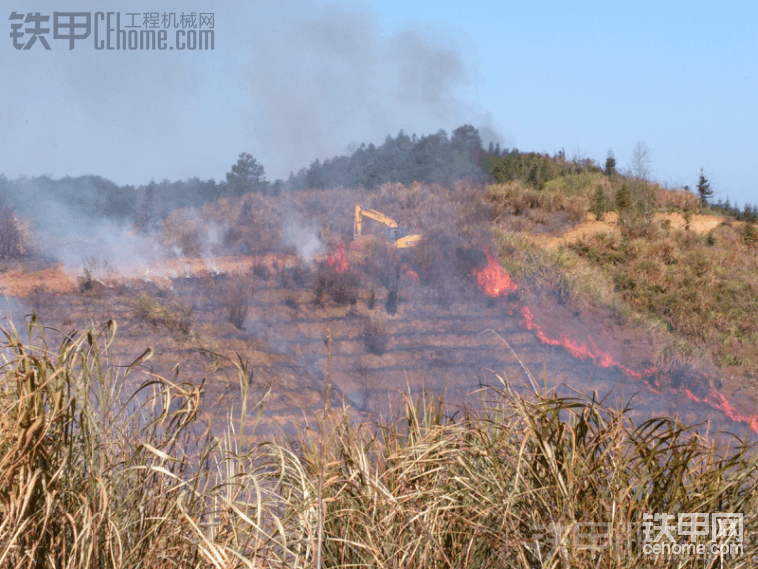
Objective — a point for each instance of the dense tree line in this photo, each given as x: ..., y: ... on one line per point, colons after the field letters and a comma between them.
x: 435, y: 158
x: 748, y: 212
x: 99, y: 198
x: 534, y: 168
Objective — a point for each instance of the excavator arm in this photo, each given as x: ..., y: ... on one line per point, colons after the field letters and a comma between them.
x: 373, y: 214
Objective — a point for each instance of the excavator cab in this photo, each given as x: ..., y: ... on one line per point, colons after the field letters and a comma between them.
x: 395, y: 233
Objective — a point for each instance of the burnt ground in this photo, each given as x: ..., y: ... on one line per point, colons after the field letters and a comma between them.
x: 449, y: 340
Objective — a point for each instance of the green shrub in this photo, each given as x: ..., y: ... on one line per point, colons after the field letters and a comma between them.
x: 748, y: 233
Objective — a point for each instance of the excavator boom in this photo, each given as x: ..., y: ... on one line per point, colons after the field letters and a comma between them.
x: 373, y: 214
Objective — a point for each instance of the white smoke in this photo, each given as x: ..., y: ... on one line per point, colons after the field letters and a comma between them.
x: 302, y: 235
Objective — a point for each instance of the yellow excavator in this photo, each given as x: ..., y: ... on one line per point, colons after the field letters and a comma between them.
x: 398, y: 235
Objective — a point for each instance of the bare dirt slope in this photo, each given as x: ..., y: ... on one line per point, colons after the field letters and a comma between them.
x: 699, y: 223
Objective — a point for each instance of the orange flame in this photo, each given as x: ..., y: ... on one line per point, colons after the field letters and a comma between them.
x: 338, y: 260
x: 718, y: 401
x: 579, y: 351
x: 714, y: 399
x: 492, y: 280
x: 411, y: 273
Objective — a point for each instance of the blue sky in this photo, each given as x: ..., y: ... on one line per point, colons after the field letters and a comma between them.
x: 298, y: 80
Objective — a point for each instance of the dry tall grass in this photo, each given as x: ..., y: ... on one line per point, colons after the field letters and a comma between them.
x: 97, y: 473
x: 14, y: 235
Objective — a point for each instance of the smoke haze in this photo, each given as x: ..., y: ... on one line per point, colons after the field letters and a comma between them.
x: 288, y: 83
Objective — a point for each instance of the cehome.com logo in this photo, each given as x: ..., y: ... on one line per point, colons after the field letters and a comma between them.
x: 139, y: 31
x: 714, y: 534
x: 659, y: 535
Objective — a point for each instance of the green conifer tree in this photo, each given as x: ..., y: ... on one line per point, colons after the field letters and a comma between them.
x: 704, y: 189
x: 623, y: 199
x: 597, y: 206
x: 610, y: 164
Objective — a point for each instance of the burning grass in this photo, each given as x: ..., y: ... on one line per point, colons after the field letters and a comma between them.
x: 703, y: 288
x: 100, y: 470
x: 396, y: 507
x: 677, y: 362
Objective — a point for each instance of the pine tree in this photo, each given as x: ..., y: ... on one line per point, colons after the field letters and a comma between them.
x: 610, y: 164
x: 704, y: 189
x: 623, y: 199
x: 750, y: 213
x: 247, y: 175
x: 598, y: 203
x: 748, y: 232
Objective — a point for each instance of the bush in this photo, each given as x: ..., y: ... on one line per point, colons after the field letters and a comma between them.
x: 295, y: 277
x: 185, y: 232
x: 290, y: 301
x: 576, y: 209
x: 174, y: 316
x: 237, y: 301
x: 623, y: 200
x: 86, y: 281
x: 391, y: 304
x: 375, y: 336
x: 13, y: 241
x: 343, y: 288
x: 635, y: 223
x: 261, y: 271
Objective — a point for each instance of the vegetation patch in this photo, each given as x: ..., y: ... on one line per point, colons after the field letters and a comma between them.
x: 14, y: 235
x: 343, y: 288
x: 175, y: 316
x: 705, y: 290
x: 375, y: 336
